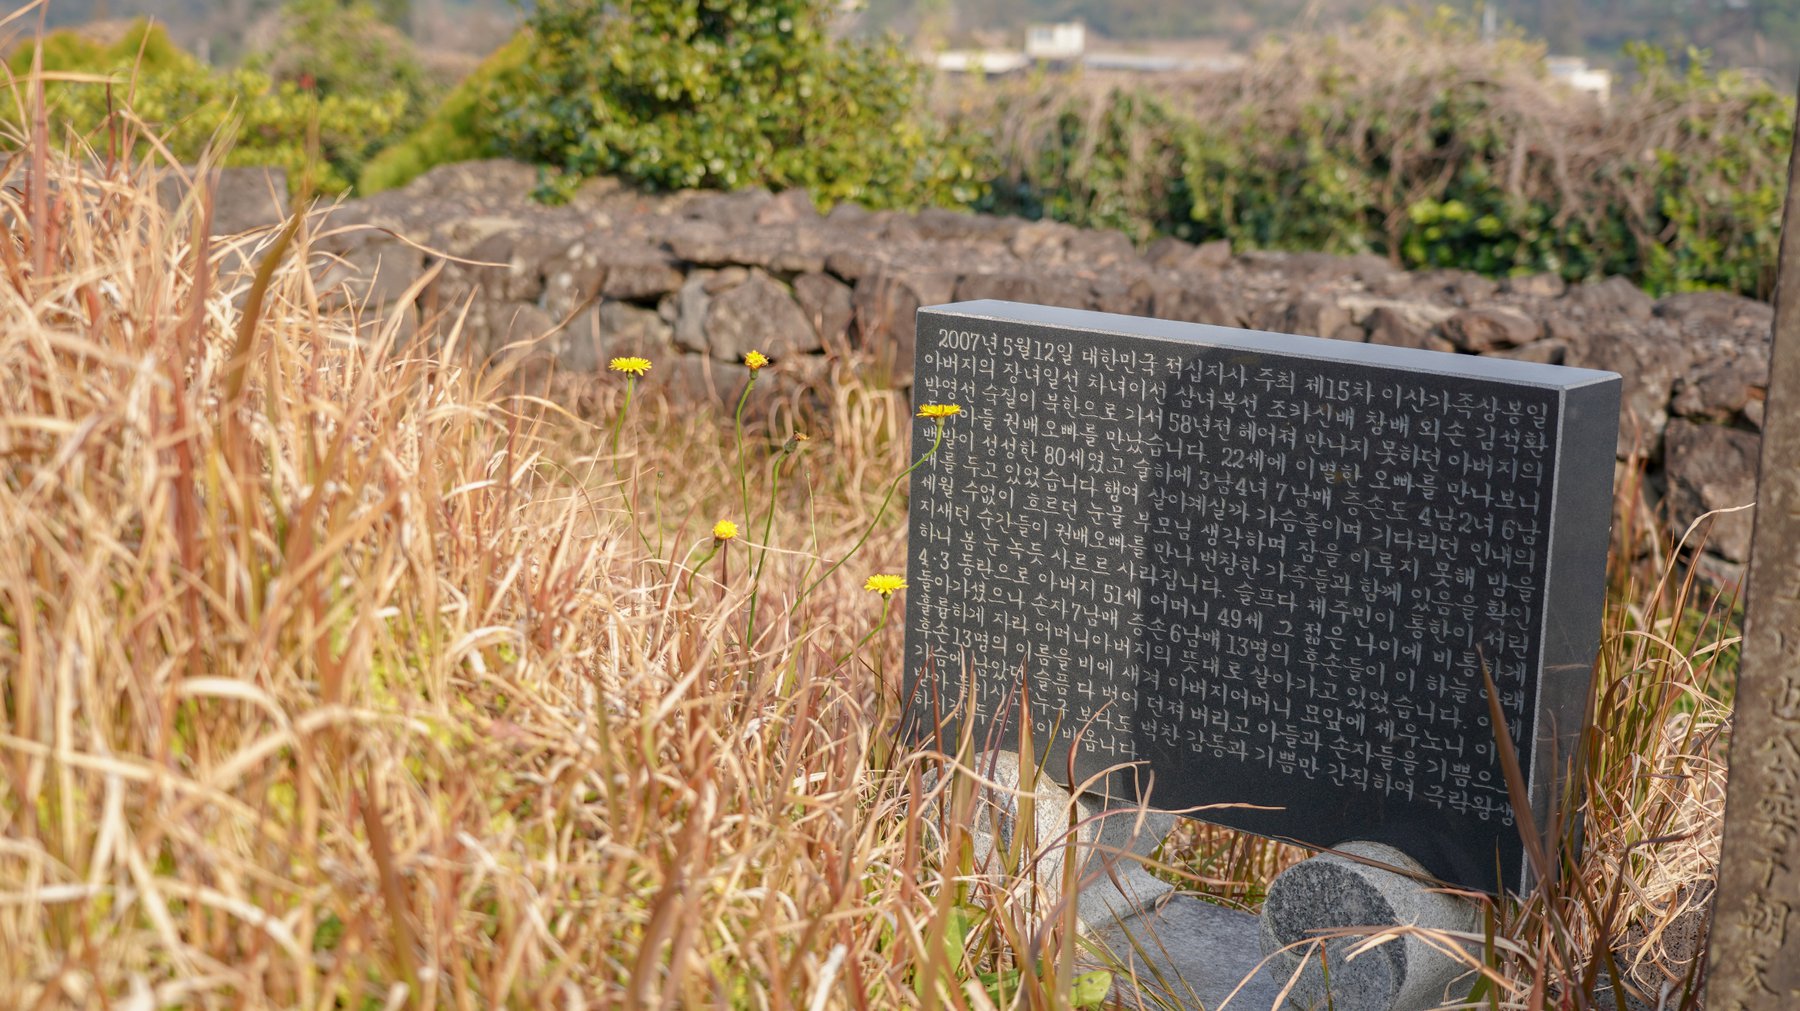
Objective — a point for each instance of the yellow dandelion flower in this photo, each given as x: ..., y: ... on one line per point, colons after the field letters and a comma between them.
x: 630, y: 366
x: 755, y: 360
x: 725, y: 530
x: 939, y: 410
x: 885, y: 585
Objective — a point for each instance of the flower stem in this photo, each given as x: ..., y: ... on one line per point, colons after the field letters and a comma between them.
x: 762, y: 553
x: 629, y: 495
x: 619, y: 423
x: 887, y: 603
x: 743, y: 466
x: 937, y: 441
x: 701, y: 564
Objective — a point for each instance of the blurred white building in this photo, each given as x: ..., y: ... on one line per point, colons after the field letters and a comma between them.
x: 1065, y: 40
x: 1064, y: 46
x: 988, y: 62
x: 1574, y: 72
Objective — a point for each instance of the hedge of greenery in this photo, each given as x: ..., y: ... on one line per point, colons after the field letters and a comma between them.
x: 723, y: 94
x: 461, y: 127
x: 347, y: 47
x: 1405, y: 137
x: 1421, y: 143
x: 1408, y: 138
x: 256, y: 117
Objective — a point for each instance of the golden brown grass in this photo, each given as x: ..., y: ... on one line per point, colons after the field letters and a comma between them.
x: 342, y: 675
x: 341, y: 672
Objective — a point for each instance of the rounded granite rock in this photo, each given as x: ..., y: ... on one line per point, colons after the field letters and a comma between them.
x: 1317, y: 906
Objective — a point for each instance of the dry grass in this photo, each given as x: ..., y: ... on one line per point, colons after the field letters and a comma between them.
x: 340, y: 673
x: 344, y: 675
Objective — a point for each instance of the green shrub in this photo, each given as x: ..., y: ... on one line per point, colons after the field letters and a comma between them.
x: 460, y: 128
x: 340, y: 48
x: 1423, y: 143
x: 143, y: 45
x: 1718, y: 179
x: 726, y: 94
x: 190, y: 106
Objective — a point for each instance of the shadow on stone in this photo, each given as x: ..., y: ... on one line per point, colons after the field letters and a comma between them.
x: 1187, y: 953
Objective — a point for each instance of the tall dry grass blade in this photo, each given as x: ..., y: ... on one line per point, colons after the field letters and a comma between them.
x: 250, y: 328
x: 1537, y: 850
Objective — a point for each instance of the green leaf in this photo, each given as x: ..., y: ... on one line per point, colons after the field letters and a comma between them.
x: 957, y: 928
x: 1090, y: 988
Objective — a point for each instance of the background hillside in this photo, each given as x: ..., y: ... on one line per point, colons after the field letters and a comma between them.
x: 223, y: 30
x: 1428, y: 140
x: 1761, y: 34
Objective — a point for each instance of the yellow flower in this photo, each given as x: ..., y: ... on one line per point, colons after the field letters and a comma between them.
x: 885, y: 585
x: 630, y: 366
x: 755, y: 360
x: 725, y: 530
x: 939, y: 410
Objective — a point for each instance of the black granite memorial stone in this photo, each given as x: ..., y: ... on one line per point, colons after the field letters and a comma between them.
x: 1245, y: 568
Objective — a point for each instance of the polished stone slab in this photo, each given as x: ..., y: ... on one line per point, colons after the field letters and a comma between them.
x: 1257, y: 577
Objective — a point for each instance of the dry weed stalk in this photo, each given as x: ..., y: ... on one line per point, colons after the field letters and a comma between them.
x: 343, y: 684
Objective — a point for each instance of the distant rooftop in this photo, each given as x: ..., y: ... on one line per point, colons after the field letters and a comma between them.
x: 1575, y: 72
x: 1066, y: 44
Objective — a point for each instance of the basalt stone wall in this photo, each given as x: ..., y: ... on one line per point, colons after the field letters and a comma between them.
x: 693, y: 280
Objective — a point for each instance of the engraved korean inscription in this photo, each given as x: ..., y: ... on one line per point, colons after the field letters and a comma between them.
x: 1255, y: 576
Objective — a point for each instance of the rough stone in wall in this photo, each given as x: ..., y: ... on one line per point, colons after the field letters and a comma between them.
x: 695, y: 279
x: 1712, y: 467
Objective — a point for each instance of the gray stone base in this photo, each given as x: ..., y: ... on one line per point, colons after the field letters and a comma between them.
x: 1186, y: 953
x: 1349, y: 893
x: 1307, y: 951
x: 1111, y: 841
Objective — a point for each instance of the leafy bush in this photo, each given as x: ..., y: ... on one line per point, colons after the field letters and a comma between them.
x: 725, y: 94
x: 143, y: 45
x: 190, y: 106
x: 1426, y: 144
x: 460, y: 128
x: 347, y: 49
